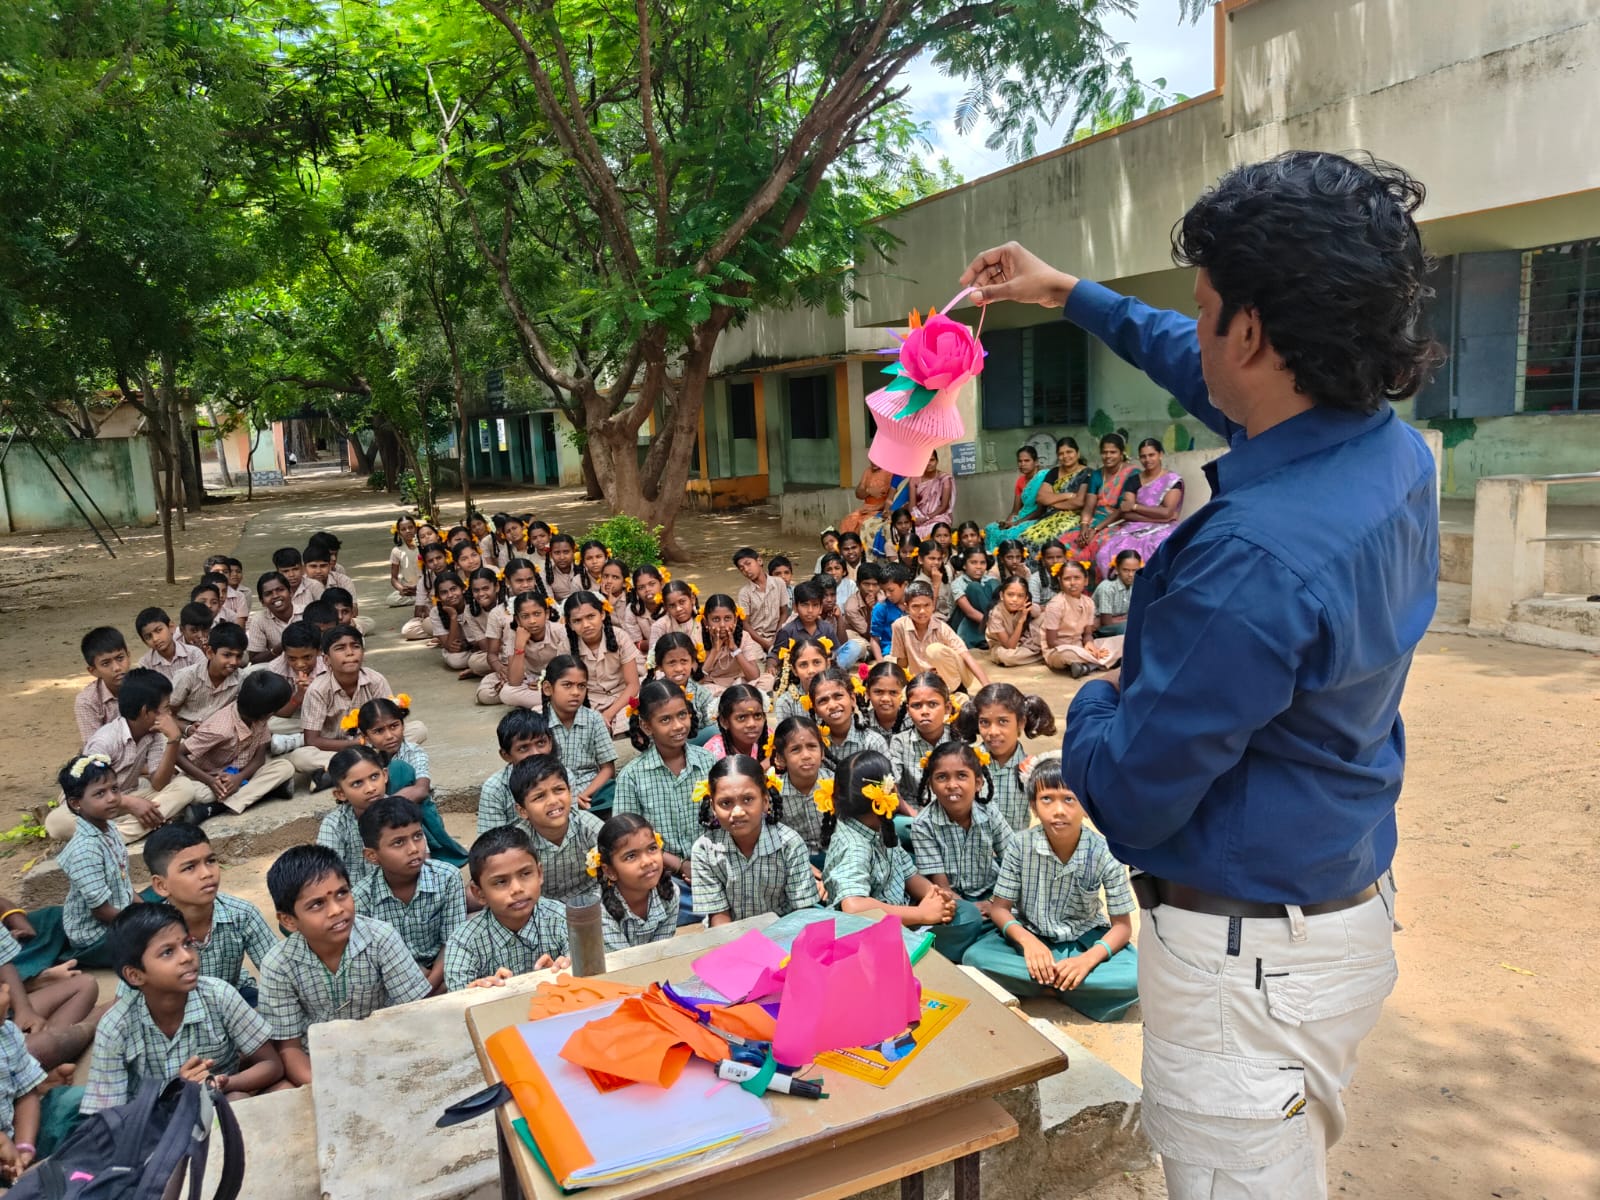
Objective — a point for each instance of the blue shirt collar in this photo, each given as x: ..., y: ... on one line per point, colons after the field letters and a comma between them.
x: 1318, y: 428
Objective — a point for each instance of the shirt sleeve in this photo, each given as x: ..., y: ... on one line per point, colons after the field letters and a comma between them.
x: 801, y: 885
x: 849, y: 875
x: 259, y: 940
x: 1008, y: 886
x: 453, y: 913
x: 1141, y: 760
x: 626, y: 797
x: 460, y: 963
x: 86, y: 713
x: 108, y: 1070
x: 1157, y: 341
x: 925, y: 850
x: 88, y: 875
x: 1119, y: 893
x: 245, y: 1026
x: 403, y: 980
x: 279, y: 1002
x: 708, y: 894
x: 1104, y: 606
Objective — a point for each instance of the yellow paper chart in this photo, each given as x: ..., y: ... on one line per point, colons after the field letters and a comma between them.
x: 938, y: 1010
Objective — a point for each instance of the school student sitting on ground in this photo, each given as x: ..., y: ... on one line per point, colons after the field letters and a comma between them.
x: 176, y: 1022
x: 360, y: 779
x: 194, y: 623
x: 185, y: 873
x: 638, y: 898
x: 422, y: 898
x: 20, y: 1078
x: 518, y: 930
x: 264, y: 629
x: 213, y: 685
x: 562, y: 834
x: 95, y: 861
x: 521, y: 734
x: 335, y: 964
x: 105, y: 654
x: 229, y: 751
x: 141, y: 748
x: 346, y: 684
x: 169, y: 653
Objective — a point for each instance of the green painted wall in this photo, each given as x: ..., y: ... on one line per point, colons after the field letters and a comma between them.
x: 115, y: 472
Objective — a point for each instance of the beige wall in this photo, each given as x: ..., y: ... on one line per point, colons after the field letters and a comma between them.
x: 1478, y: 98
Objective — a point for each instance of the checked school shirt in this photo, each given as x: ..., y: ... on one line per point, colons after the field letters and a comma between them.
x: 566, y: 863
x: 775, y: 879
x: 95, y: 862
x: 646, y: 787
x: 495, y: 805
x: 237, y: 929
x: 129, y: 1049
x: 800, y: 811
x: 584, y: 748
x: 376, y: 971
x: 659, y: 922
x: 20, y: 1073
x: 1009, y: 798
x: 1060, y: 901
x: 969, y: 857
x: 857, y: 740
x: 906, y: 749
x: 427, y: 920
x: 340, y: 832
x: 859, y: 864
x: 481, y: 945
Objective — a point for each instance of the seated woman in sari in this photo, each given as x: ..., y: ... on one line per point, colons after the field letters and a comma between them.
x: 880, y: 492
x: 1103, y: 509
x: 1025, y: 508
x: 1150, y: 516
x: 933, y: 498
x: 1062, y: 494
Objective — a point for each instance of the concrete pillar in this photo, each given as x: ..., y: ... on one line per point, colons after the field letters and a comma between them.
x: 1508, y: 523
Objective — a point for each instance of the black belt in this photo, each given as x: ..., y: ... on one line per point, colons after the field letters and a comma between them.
x: 1151, y: 891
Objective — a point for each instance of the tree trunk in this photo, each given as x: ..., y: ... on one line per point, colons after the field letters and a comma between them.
x: 591, y: 481
x: 161, y: 460
x: 461, y: 456
x: 176, y: 469
x: 222, y: 454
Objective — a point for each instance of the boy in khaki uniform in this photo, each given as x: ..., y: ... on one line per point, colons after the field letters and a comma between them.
x: 228, y: 751
x: 105, y: 653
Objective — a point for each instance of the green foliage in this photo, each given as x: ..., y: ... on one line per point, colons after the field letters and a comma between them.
x: 23, y: 835
x: 1123, y: 98
x: 1175, y: 409
x: 378, y: 481
x: 1101, y: 423
x: 1455, y: 429
x: 629, y: 539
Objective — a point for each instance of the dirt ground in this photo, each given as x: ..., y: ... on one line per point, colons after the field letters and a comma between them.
x: 1482, y: 1078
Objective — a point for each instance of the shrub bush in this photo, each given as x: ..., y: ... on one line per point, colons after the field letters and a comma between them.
x: 629, y: 539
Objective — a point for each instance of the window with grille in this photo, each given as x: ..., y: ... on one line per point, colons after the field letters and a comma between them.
x: 1561, y: 336
x: 742, y: 411
x: 1036, y: 376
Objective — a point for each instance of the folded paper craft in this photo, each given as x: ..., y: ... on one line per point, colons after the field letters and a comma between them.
x: 844, y: 991
x: 916, y: 412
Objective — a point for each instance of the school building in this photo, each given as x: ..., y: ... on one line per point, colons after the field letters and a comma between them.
x: 1491, y: 105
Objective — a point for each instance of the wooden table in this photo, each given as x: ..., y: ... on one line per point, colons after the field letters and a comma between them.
x: 946, y: 1093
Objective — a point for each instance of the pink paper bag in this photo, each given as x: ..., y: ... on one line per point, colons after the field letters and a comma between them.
x: 840, y: 992
x: 746, y: 969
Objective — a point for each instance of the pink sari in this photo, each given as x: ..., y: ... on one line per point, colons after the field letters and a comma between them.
x: 932, y: 501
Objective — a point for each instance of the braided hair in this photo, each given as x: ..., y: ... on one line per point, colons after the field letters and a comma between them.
x: 1050, y: 581
x: 1020, y: 581
x: 745, y: 767
x: 585, y: 579
x: 612, y: 832
x: 669, y: 642
x: 886, y: 669
x: 578, y: 600
x: 838, y: 676
x: 651, y: 697
x: 1011, y: 546
x: 737, y: 694
x: 849, y: 800
x: 550, y: 560
x: 786, y: 675
x: 635, y: 602
x: 517, y: 565
x: 928, y: 545
x: 932, y: 682
x: 1033, y: 715
x: 403, y: 520
x: 492, y: 576
x: 719, y: 602
x: 955, y: 748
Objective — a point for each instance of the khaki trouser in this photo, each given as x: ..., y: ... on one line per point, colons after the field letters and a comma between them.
x: 1018, y: 656
x: 489, y: 688
x: 61, y: 821
x: 416, y: 630
x: 519, y: 696
x: 1251, y: 1027
x: 457, y: 661
x: 950, y: 667
x: 274, y: 773
x: 478, y: 663
x: 308, y: 759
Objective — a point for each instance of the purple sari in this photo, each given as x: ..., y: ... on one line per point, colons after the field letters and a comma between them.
x: 1143, y: 536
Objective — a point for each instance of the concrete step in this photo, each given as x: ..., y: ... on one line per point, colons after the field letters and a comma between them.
x: 264, y: 828
x: 1563, y: 622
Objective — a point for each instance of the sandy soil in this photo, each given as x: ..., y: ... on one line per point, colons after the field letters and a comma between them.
x: 1483, y: 1077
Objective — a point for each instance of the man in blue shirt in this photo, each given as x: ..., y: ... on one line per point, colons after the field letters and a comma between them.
x: 1249, y: 758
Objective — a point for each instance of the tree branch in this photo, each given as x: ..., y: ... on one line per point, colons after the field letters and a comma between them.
x: 658, y: 165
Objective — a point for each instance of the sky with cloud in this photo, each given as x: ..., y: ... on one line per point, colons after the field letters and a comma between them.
x: 1160, y: 44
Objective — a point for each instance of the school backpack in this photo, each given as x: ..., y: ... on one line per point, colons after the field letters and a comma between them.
x: 142, y: 1150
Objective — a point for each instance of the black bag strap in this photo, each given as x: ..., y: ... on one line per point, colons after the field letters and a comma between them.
x: 52, y: 1180
x: 232, y: 1181
x: 135, y: 1125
